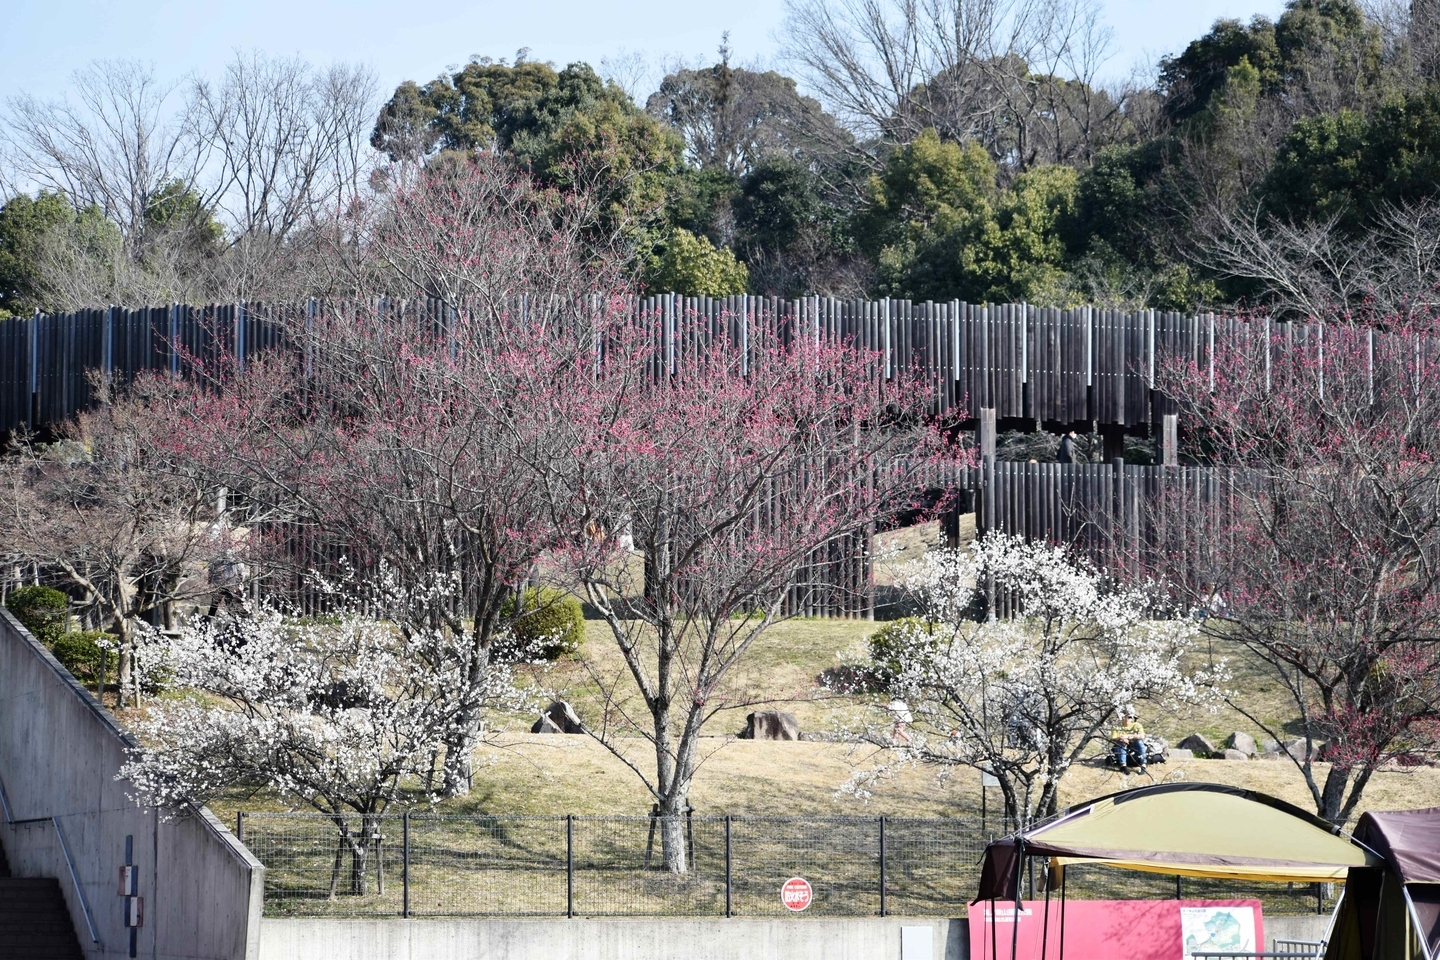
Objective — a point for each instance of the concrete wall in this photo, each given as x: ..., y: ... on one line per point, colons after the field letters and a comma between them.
x: 737, y: 939
x: 59, y: 753
x: 669, y: 939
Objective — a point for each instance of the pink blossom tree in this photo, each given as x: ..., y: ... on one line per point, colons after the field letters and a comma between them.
x: 713, y: 489
x: 427, y: 438
x: 127, y: 536
x: 1327, y: 565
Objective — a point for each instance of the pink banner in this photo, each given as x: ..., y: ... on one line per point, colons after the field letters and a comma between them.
x: 1124, y: 929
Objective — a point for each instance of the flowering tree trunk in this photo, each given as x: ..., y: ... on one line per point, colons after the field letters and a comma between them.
x: 428, y: 441
x: 1328, y: 566
x: 728, y: 476
x: 1022, y: 699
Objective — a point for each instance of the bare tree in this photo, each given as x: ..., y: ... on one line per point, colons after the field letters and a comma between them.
x: 210, y: 185
x: 1316, y: 269
x: 124, y: 137
x: 290, y: 150
x: 971, y: 69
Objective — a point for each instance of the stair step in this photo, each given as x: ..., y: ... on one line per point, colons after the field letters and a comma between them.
x: 35, y: 923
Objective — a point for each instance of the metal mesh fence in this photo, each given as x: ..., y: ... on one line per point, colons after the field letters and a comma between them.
x: 554, y: 866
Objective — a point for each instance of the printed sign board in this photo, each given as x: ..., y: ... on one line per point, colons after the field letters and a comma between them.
x: 1133, y: 929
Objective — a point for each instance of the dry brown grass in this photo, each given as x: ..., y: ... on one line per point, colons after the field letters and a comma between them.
x: 524, y: 774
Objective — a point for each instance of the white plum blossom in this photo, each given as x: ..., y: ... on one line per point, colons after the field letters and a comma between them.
x: 1023, y: 698
x: 333, y: 714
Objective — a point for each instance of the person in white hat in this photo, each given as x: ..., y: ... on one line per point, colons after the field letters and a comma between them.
x: 900, y: 710
x: 1129, y: 740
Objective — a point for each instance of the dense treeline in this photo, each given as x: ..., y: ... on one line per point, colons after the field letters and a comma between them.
x: 962, y: 149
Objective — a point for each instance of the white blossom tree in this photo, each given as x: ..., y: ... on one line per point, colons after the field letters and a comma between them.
x: 333, y: 715
x: 1023, y: 698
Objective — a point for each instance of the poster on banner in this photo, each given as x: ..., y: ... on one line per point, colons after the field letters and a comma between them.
x: 1217, y: 930
x: 1133, y: 929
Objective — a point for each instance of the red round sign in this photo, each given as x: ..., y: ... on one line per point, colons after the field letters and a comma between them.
x: 796, y: 894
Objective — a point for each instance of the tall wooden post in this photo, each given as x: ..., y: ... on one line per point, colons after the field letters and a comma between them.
x: 985, y: 433
x: 1169, y: 448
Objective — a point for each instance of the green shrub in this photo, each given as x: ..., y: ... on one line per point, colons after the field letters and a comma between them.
x: 889, y: 644
x: 80, y: 653
x: 44, y: 611
x: 551, y: 625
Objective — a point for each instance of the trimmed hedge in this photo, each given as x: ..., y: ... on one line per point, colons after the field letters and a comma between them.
x: 80, y: 652
x: 44, y: 611
x: 890, y: 642
x: 551, y: 625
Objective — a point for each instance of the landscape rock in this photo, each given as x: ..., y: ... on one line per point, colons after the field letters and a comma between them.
x: 1296, y: 748
x: 1230, y: 753
x: 559, y: 717
x: 1242, y: 742
x: 1198, y: 745
x: 771, y: 725
x: 1269, y: 746
x: 1180, y: 753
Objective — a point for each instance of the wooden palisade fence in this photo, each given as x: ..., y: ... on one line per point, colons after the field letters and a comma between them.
x: 1029, y: 364
x: 1021, y: 365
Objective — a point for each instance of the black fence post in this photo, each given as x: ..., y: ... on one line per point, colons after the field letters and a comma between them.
x: 405, y: 868
x: 729, y: 903
x: 240, y: 825
x: 883, y: 910
x: 570, y: 865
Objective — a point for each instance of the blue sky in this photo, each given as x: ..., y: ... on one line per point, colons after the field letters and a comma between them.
x: 43, y: 41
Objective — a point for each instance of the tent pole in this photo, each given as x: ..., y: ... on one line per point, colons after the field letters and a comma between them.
x: 1064, y: 876
x: 1413, y: 922
x: 1045, y: 930
x: 1019, y: 875
x: 1334, y: 915
x: 994, y: 942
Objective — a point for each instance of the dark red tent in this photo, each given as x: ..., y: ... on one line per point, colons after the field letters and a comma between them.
x: 1392, y: 912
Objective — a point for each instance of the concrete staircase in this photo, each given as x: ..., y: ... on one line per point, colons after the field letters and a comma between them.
x: 34, y: 921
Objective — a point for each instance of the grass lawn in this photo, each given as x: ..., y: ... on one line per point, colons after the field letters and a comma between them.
x: 472, y: 864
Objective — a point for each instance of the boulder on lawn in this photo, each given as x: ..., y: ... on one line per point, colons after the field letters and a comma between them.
x: 1197, y: 745
x: 1230, y: 753
x: 1269, y: 746
x: 1242, y: 742
x: 1296, y: 748
x: 559, y: 717
x: 1180, y: 753
x: 771, y: 725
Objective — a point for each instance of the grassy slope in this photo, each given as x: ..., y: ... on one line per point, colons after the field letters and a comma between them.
x: 527, y: 774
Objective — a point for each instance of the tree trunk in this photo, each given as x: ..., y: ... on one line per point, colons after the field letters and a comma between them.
x: 359, y: 857
x: 1333, y: 793
x: 672, y: 833
x: 459, y: 773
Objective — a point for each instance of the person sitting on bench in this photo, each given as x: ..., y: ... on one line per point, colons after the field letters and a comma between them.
x: 1129, y: 740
